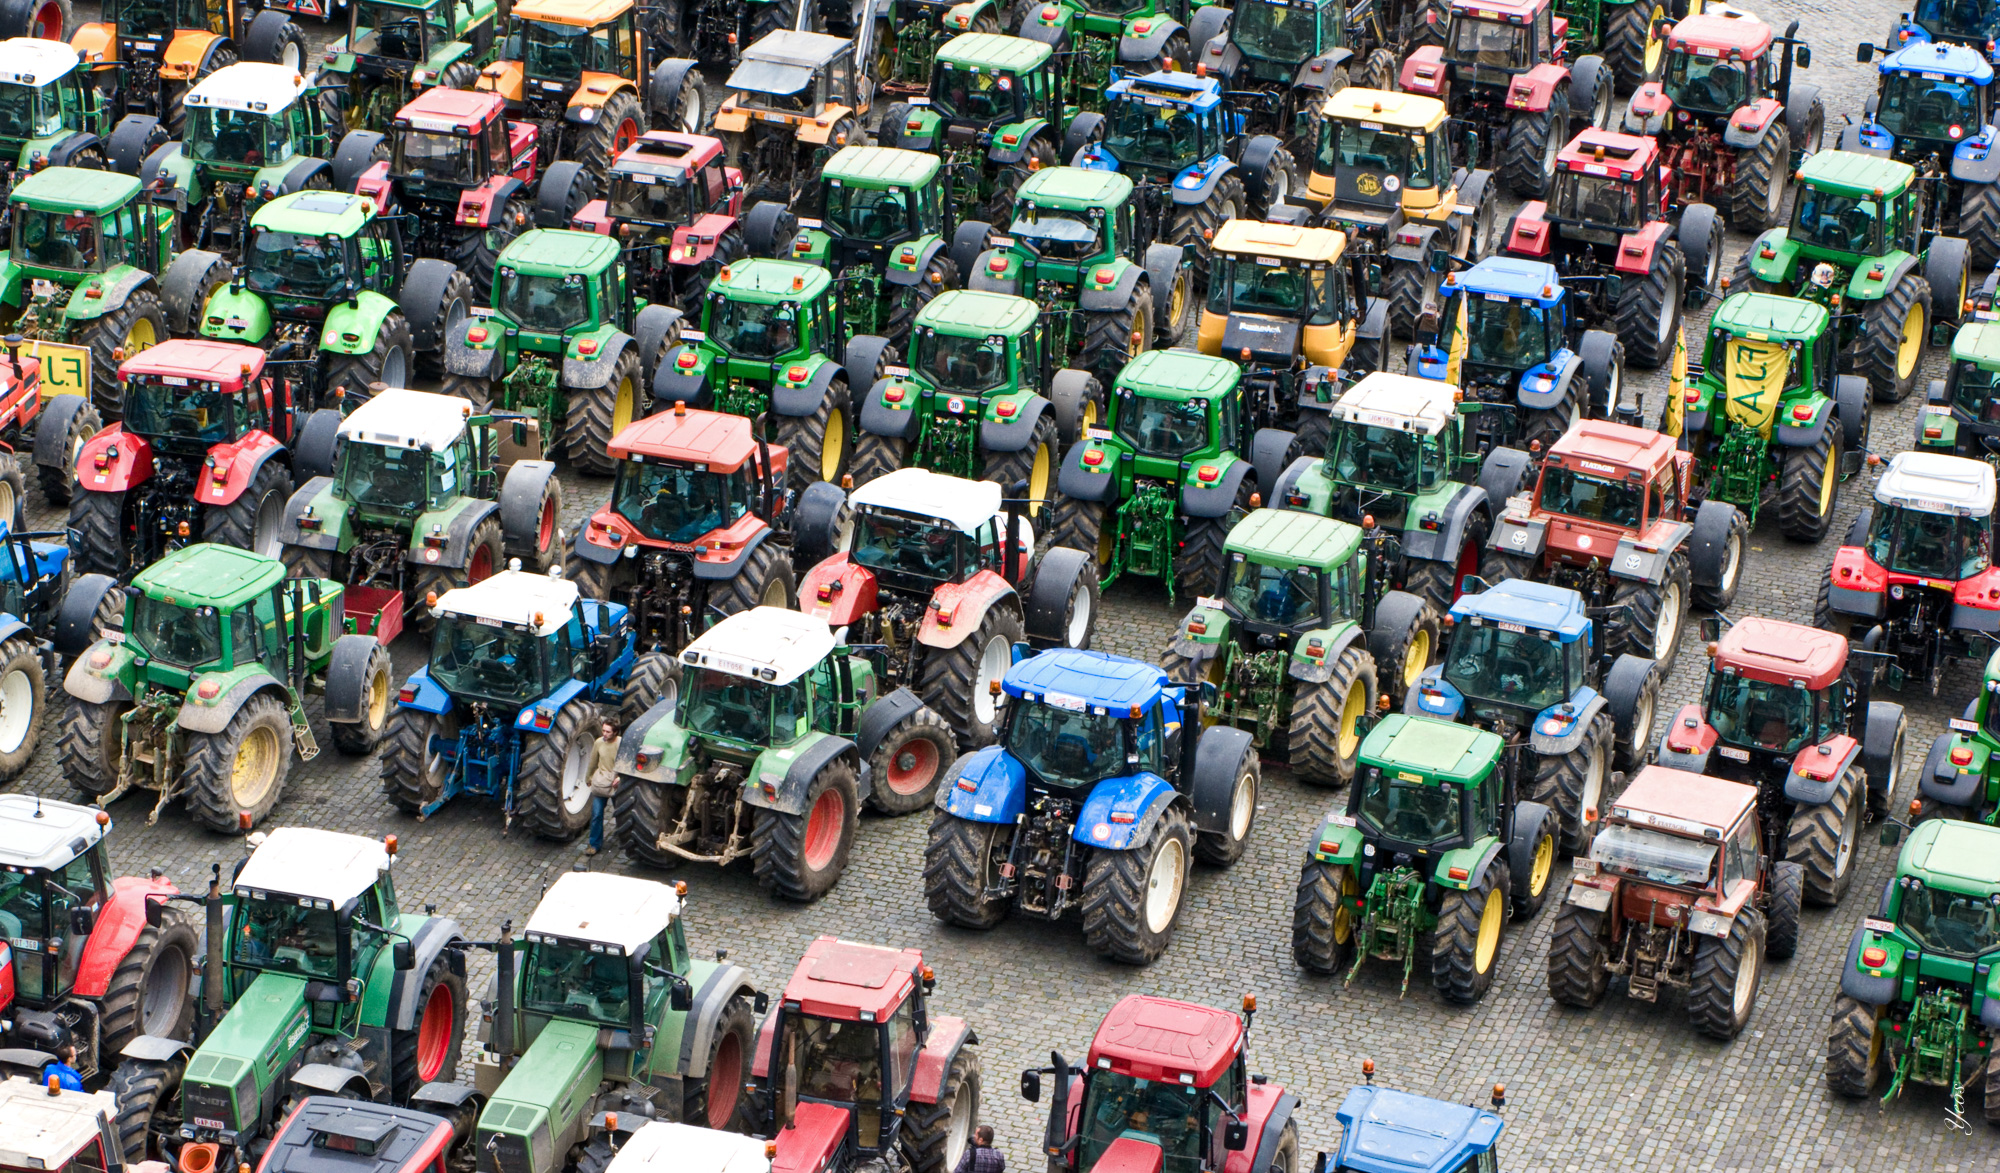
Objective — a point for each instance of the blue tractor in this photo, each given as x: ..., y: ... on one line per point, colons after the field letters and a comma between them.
x: 1506, y: 336
x: 508, y: 705
x: 43, y: 616
x: 1523, y: 660
x: 1952, y: 22
x: 1178, y: 137
x: 1934, y: 109
x: 1102, y: 788
x: 1387, y: 1131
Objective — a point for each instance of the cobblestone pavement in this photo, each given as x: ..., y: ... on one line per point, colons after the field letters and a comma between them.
x: 1626, y: 1086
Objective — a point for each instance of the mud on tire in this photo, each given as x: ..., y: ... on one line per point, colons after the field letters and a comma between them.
x: 1323, y: 917
x: 1722, y: 965
x: 908, y: 763
x: 1823, y: 838
x: 1809, y: 487
x: 216, y: 764
x: 798, y: 857
x: 1574, y: 781
x: 1120, y: 919
x: 953, y: 681
x: 595, y: 415
x: 1855, y: 1053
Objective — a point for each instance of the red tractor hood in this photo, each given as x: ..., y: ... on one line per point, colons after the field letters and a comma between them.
x: 813, y: 1140
x: 1129, y: 1155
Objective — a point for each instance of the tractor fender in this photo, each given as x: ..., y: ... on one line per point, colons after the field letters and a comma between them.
x: 592, y: 552
x: 882, y: 716
x: 1878, y: 739
x: 1209, y: 172
x: 968, y: 603
x: 1475, y: 861
x: 1198, y: 500
x: 1513, y: 535
x: 1012, y: 435
x: 723, y: 984
x: 1869, y: 593
x: 1588, y: 702
x: 200, y: 718
x: 1314, y: 74
x: 1810, y: 791
x: 1685, y: 748
x: 1534, y: 90
x: 64, y: 151
x: 1628, y: 561
x: 595, y: 371
x: 898, y: 275
x: 1226, y: 65
x: 476, y: 207
x: 1025, y: 134
x: 1636, y: 249
x: 1974, y: 162
x: 83, y: 309
x: 302, y: 174
x: 1212, y: 789
x: 1079, y: 482
x: 243, y: 460
x: 1851, y: 399
x: 1120, y: 812
x: 1114, y: 296
x: 673, y: 385
x: 1966, y: 618
x: 1301, y: 668
x: 87, y: 686
x: 1418, y: 253
x: 435, y: 936
x: 1647, y: 111
x: 1565, y: 365
x: 791, y: 796
x: 663, y: 89
x: 999, y: 787
x: 1942, y: 782
x: 1445, y: 543
x: 1139, y: 50
x: 457, y: 537
x: 983, y: 279
x: 949, y: 1035
x: 1205, y: 24
x: 1376, y: 324
x: 521, y: 496
x: 1529, y: 819
x: 1270, y: 1124
x: 1708, y: 542
x: 1529, y: 233
x: 878, y: 418
x: 76, y: 614
x: 461, y: 359
x: 552, y: 704
x: 1802, y: 435
x: 1876, y: 991
x: 634, y: 739
x: 362, y: 318
x: 53, y: 428
x: 440, y: 1095
x: 1255, y: 163
x: 154, y: 1049
x: 1424, y: 72
x: 1865, y: 138
x: 347, y: 676
x: 710, y: 571
x: 11, y: 627
x: 429, y: 696
x: 119, y: 922
x: 1268, y: 447
x: 1748, y: 126
x: 804, y: 399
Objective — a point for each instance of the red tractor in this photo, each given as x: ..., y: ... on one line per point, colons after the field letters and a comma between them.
x: 1166, y: 1085
x: 832, y: 1077
x: 53, y: 428
x: 678, y: 209
x: 1605, y: 229
x: 334, y: 1134
x: 1609, y: 518
x: 465, y: 177
x: 206, y: 452
x: 1715, y: 111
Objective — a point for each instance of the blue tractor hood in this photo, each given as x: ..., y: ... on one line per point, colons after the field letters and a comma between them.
x: 1534, y: 605
x: 1953, y: 61
x: 1386, y: 1131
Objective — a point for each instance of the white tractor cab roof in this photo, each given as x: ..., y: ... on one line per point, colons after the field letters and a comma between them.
x: 1399, y: 402
x: 32, y: 61
x: 605, y: 909
x: 957, y: 502
x: 773, y: 644
x: 1931, y: 482
x: 397, y: 418
x: 39, y: 1130
x: 319, y: 865
x: 44, y: 833
x: 660, y: 1146
x: 248, y: 85
x: 516, y: 598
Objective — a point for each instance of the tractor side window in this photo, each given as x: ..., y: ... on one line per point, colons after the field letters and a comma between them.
x: 716, y: 182
x: 1489, y: 794
x: 902, y: 1047
x: 1149, y: 736
x: 73, y: 888
x: 788, y: 708
x: 1031, y: 362
x: 626, y: 48
x: 1341, y: 590
x: 90, y: 1159
x: 1228, y: 427
x: 1424, y: 168
x: 1833, y: 710
x: 839, y: 80
x: 1544, y: 33
x: 1329, y: 296
x: 1666, y: 500
x: 499, y: 153
x: 243, y: 635
x: 1740, y: 857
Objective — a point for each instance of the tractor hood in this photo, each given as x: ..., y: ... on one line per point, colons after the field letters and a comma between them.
x: 1269, y: 340
x: 267, y: 1026
x: 815, y: 1137
x: 1133, y: 1152
x: 520, y: 1129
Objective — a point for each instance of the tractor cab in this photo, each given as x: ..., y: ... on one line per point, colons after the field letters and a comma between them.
x: 915, y: 530
x: 1951, y: 21
x: 1932, y: 521
x: 663, y: 1146
x: 1963, y: 414
x: 516, y: 638
x: 559, y: 49
x: 1490, y: 43
x: 1169, y: 406
x: 1501, y: 336
x: 70, y: 221
x: 307, y: 252
x: 1770, y: 351
x: 54, y: 879
x: 1288, y: 574
x: 1163, y: 126
x: 1519, y: 653
x: 187, y: 395
x: 1376, y: 1122
x: 1279, y: 36
x: 1719, y: 62
x: 206, y: 613
x: 1605, y: 485
x: 874, y: 198
x: 391, y: 33
x: 1849, y: 209
x: 1281, y: 301
x: 1606, y: 186
x: 1774, y: 691
x: 1380, y: 154
x: 247, y: 117
x: 967, y: 343
x: 795, y: 77
x: 1077, y: 718
x: 456, y: 140
x: 54, y: 1130
x: 1933, y: 99
x: 151, y: 21
x: 1677, y: 842
x: 981, y: 81
x: 1067, y: 217
x: 1394, y: 436
x: 765, y: 677
x: 403, y: 453
x: 606, y: 950
x: 762, y: 313
x: 687, y: 479
x: 312, y: 905
x: 43, y: 96
x: 1425, y: 787
x: 665, y: 180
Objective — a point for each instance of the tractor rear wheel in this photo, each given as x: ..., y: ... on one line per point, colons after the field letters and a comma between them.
x: 1079, y: 525
x: 242, y: 768
x: 618, y: 125
x: 1497, y: 566
x: 1735, y: 551
x: 149, y: 1103
x: 816, y: 444
x: 552, y: 788
x: 1547, y: 425
x: 58, y: 481
x: 597, y: 414
x: 1528, y: 161
x: 935, y: 1135
x: 255, y: 519
x: 1036, y: 464
x: 1465, y: 946
x: 90, y: 749
x: 644, y: 811
x: 1198, y: 564
x: 1648, y: 313
x: 1406, y: 287
x: 474, y: 389
x: 1979, y: 223
x: 1325, y: 732
x: 1856, y: 1057
x: 148, y: 992
x: 1225, y: 847
x: 876, y: 456
x: 1323, y: 918
x: 648, y: 678
x: 388, y: 362
x: 961, y: 863
x: 306, y: 562
x: 1194, y: 225
x: 1722, y: 986
x: 1040, y: 156
x: 716, y: 1099
x: 1788, y: 890
x: 1132, y: 898
x: 485, y: 554
x: 1577, y: 783
x: 1822, y: 838
x: 766, y: 580
x: 1438, y: 583
x: 413, y: 772
x: 939, y: 275
x: 800, y: 857
x: 1114, y: 337
x: 957, y: 681
x: 378, y: 698
x: 1808, y: 487
x: 127, y: 330
x: 908, y: 762
x: 1654, y: 614
x: 1892, y: 349
x: 429, y: 1050
x: 1405, y: 639
x: 1757, y: 198
x: 23, y: 693
x: 475, y: 250
x: 1579, y: 964
x: 1628, y: 46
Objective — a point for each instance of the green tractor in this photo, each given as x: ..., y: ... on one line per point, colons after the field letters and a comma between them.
x: 1155, y: 490
x: 909, y: 35
x: 316, y: 982
x: 1096, y: 40
x: 62, y: 119
x: 1302, y: 634
x: 395, y: 49
x: 1919, y: 999
x: 1961, y: 413
x: 1765, y: 414
x: 1435, y: 841
x: 566, y: 343
x: 1858, y: 245
x: 995, y: 114
x: 1083, y: 249
x: 888, y: 231
x: 204, y: 697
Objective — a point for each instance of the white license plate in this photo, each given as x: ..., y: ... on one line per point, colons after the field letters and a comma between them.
x: 205, y: 1122
x: 1585, y: 896
x: 1961, y: 725
x: 1735, y: 755
x: 1340, y: 820
x: 1878, y: 925
x: 236, y: 323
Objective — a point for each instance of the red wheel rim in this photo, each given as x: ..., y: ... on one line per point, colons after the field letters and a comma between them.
x: 548, y: 529
x: 913, y: 767
x: 48, y: 22
x: 823, y: 827
x: 434, y: 1033
x: 628, y: 133
x: 725, y: 1081
x: 481, y: 565
x: 1468, y: 563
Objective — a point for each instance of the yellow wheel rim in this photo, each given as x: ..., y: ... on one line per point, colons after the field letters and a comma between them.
x: 621, y: 407
x: 774, y: 594
x: 1350, y: 720
x: 1654, y: 46
x: 378, y: 701
x: 1177, y: 301
x: 1107, y: 541
x: 1089, y: 416
x: 141, y: 335
x: 255, y: 767
x: 833, y: 450
x: 1343, y: 910
x: 1038, y: 482
x: 1827, y: 483
x: 1912, y: 344
x: 1545, y: 862
x: 1489, y: 932
x: 1417, y: 658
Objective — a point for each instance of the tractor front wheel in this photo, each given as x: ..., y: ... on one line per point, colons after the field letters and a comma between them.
x: 1325, y: 732
x: 1113, y: 338
x: 1406, y: 287
x: 256, y: 518
x: 1654, y: 614
x: 241, y: 769
x: 1132, y: 898
x: 1198, y: 563
x: 652, y: 674
x: 149, y: 1103
x: 1856, y: 1052
x: 1035, y: 464
x: 1628, y: 45
x: 1465, y: 946
x: 1822, y: 838
x: 1324, y: 917
x: 961, y: 864
x: 1722, y: 987
x: 90, y: 749
x: 1788, y: 890
x: 908, y: 762
x: 800, y: 857
x: 1888, y: 354
x: 597, y: 414
x: 1194, y: 225
x: 1405, y: 638
x: 552, y: 790
x: 148, y: 992
x: 957, y: 681
x: 816, y: 445
x: 1648, y: 313
x: 766, y: 580
x: 428, y: 1051
x: 23, y: 693
x: 1225, y: 847
x: 935, y: 1135
x: 117, y: 335
x: 1808, y: 487
x: 1756, y: 200
x: 414, y: 771
x: 1579, y: 963
x: 1979, y: 223
x: 485, y: 554
x: 716, y: 1100
x: 1577, y: 784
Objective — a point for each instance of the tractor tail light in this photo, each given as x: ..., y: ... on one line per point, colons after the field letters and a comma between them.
x: 1005, y: 410
x: 1767, y: 252
x: 1874, y: 957
x: 476, y: 334
x: 893, y: 395
x: 587, y: 346
x: 1459, y: 874
x: 1933, y: 432
x: 407, y: 693
x: 1093, y: 458
x: 1103, y: 276
x: 795, y: 375
x: 997, y: 265
x: 1207, y: 474
x: 686, y: 361
x: 1802, y: 412
x: 1197, y: 627
x: 208, y: 690
x: 1962, y: 756
x: 544, y: 719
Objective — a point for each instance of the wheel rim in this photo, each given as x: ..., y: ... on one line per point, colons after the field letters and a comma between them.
x: 1417, y: 658
x: 1551, y: 147
x: 1850, y: 831
x: 395, y: 368
x: 1142, y: 331
x: 1350, y: 720
x: 691, y: 112
x: 480, y: 566
x: 1163, y: 884
x: 1489, y: 933
x: 1732, y: 560
x: 959, y: 1130
x: 378, y: 700
x: 546, y: 531
x: 10, y: 504
x: 1642, y: 723
x: 1746, y: 983
x: 627, y: 134
x: 435, y: 771
x: 165, y: 993
x: 1828, y: 479
x: 290, y: 57
x: 774, y: 593
x: 49, y: 22
x: 434, y: 1033
x: 823, y: 828
x: 1177, y: 301
x: 1038, y: 480
x: 1667, y: 631
x: 139, y: 335
x: 255, y: 768
x: 1544, y: 863
x: 1242, y: 807
x: 725, y: 1081
x: 1593, y: 784
x: 575, y: 776
x: 993, y: 661
x: 1107, y: 540
x: 1655, y: 48
x: 1668, y: 319
x: 1912, y: 344
x: 1079, y: 619
x: 621, y: 407
x: 833, y: 449
x: 264, y: 535
x: 1343, y: 909
x: 1774, y: 195
x: 914, y: 767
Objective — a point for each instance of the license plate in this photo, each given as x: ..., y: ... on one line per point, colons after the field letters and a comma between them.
x: 1340, y: 820
x: 1059, y: 700
x: 1585, y: 896
x: 43, y: 287
x: 733, y: 667
x: 1876, y: 924
x: 1961, y: 725
x: 236, y: 323
x: 1208, y: 603
x: 772, y: 117
x: 205, y: 1122
x: 1735, y: 755
x: 1516, y: 628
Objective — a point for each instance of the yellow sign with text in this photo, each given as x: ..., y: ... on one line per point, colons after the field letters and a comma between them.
x: 65, y: 368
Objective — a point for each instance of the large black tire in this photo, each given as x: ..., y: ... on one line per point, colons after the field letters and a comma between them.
x: 961, y: 861
x: 1323, y: 917
x: 429, y: 1050
x: 391, y: 354
x: 706, y: 1102
x: 149, y: 1103
x: 411, y: 776
x: 1809, y: 487
x: 1979, y: 223
x: 1650, y: 626
x: 1405, y: 286
x: 1194, y: 225
x: 1718, y: 1003
x: 939, y: 275
x: 1756, y: 200
x: 816, y: 444
x: 378, y: 698
x: 1036, y: 464
x: 1527, y: 162
x: 1855, y: 1054
x: 1579, y: 964
x: 89, y: 749
x: 769, y: 16
x: 1462, y: 958
x: 1405, y: 639
x: 1649, y: 311
x: 255, y: 519
x: 954, y: 681
x: 1722, y: 595
x: 1324, y: 734
x: 597, y: 414
x: 876, y: 456
x: 1788, y: 891
x: 1107, y: 339
x: 1079, y: 525
x: 1121, y: 918
x: 620, y: 119
x: 58, y: 481
x: 1437, y: 583
x: 909, y: 761
x: 1198, y: 563
x: 935, y: 1135
x: 766, y: 580
x: 643, y: 684
x: 1008, y: 178
x: 800, y: 857
x: 149, y: 991
x: 485, y: 554
x: 1577, y: 781
x: 1545, y: 426
x: 48, y: 20
x: 130, y: 328
x: 1223, y: 848
x: 1891, y: 352
x: 1627, y: 29
x: 1823, y: 837
x: 273, y: 38
x: 215, y: 792
x: 552, y: 789
x: 22, y: 687
x: 644, y: 811
x: 175, y: 114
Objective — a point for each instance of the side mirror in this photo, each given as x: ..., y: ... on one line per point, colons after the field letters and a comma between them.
x: 1440, y: 259
x: 1892, y: 834
x: 404, y: 954
x: 1235, y: 1136
x: 1021, y: 650
x: 156, y: 912
x: 521, y: 433
x: 1209, y: 693
x: 1803, y: 59
x: 761, y: 1003
x: 1031, y: 1086
x: 1711, y: 628
x: 82, y: 920
x: 680, y: 998
x: 579, y: 667
x: 1862, y: 52
x: 1613, y: 285
x: 1427, y: 326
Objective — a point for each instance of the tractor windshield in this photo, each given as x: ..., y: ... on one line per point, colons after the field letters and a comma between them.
x: 236, y: 137
x: 1706, y: 85
x: 1522, y: 669
x: 547, y: 305
x: 1915, y: 105
x: 838, y: 1061
x: 567, y: 980
x: 1505, y: 332
x: 655, y: 199
x: 973, y: 93
x: 1578, y: 494
x: 1287, y: 596
x: 388, y: 476
x: 287, y: 934
x: 1976, y: 393
x: 1142, y: 135
x: 1067, y: 746
x: 1596, y: 199
x: 1759, y: 715
x: 1488, y: 44
x: 1370, y: 164
x: 896, y: 544
x: 860, y: 213
x: 500, y: 664
x: 1843, y: 223
x: 954, y: 363
x: 749, y: 329
x: 29, y: 111
x: 1171, y: 1114
x: 1059, y: 235
x: 1384, y: 458
x: 1409, y: 812
x: 56, y: 240
x: 190, y: 410
x: 1959, y: 20
x: 1931, y: 545
x: 555, y: 52
x: 137, y: 17
x: 1951, y: 922
x: 439, y: 158
x: 295, y: 264
x: 1243, y: 286
x: 1654, y: 855
x: 1169, y: 429
x: 1276, y: 31
x: 676, y: 502
x: 390, y: 30
x: 721, y: 704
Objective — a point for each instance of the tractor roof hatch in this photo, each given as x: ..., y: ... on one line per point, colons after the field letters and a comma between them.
x: 1851, y: 174
x: 306, y: 861
x: 1932, y: 482
x: 1968, y: 853
x: 995, y: 51
x: 784, y: 62
x: 44, y: 833
x: 1170, y: 89
x: 685, y: 1148
x: 609, y: 909
x: 1403, y: 111
x: 722, y: 442
x: 963, y: 504
x: 1954, y: 61
x: 1511, y: 277
x: 518, y: 597
x: 1782, y: 653
x: 400, y: 418
x: 1680, y: 803
x: 33, y: 61
x: 1510, y: 11
x: 969, y: 313
x: 75, y: 189
x: 667, y: 152
x: 1386, y: 1131
x: 556, y: 252
x: 315, y: 213
x: 1068, y: 678
x: 221, y: 363
x: 1179, y: 374
x: 1161, y: 1039
x: 1537, y: 606
x: 1977, y: 342
x: 1782, y: 318
x: 1400, y: 402
x: 1282, y: 242
x: 1722, y: 29
x: 1436, y: 749
x: 762, y: 281
x: 772, y: 644
x: 1272, y: 536
x: 1604, y: 152
x: 207, y: 575
x: 43, y: 1131
x: 575, y: 13
x: 252, y: 86
x: 846, y: 980
x: 1618, y: 445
